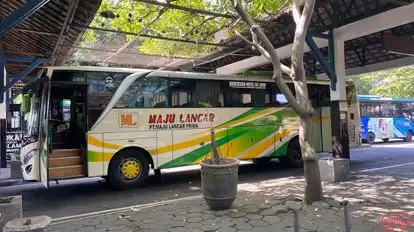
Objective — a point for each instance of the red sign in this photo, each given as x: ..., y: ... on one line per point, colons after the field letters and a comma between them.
x: 181, y: 118
x: 179, y: 121
x: 397, y: 221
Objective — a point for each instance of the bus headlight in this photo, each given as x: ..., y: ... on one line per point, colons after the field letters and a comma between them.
x: 29, y: 156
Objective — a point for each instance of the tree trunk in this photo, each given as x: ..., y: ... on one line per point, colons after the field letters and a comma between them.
x: 313, y: 186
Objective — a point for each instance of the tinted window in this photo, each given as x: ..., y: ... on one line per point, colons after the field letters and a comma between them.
x: 149, y: 92
x: 319, y: 95
x: 102, y: 87
x: 207, y: 93
x: 370, y: 109
x: 275, y: 98
x: 244, y: 93
x: 182, y: 92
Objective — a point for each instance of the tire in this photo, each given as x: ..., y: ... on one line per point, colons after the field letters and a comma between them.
x: 129, y: 168
x: 293, y: 156
x: 370, y: 138
x: 386, y: 140
x: 409, y: 137
x: 262, y: 160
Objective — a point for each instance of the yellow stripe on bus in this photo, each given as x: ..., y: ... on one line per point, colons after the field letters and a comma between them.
x: 260, y: 147
x: 318, y: 118
x: 98, y: 143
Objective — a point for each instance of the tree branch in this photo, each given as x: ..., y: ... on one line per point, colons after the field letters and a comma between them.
x: 277, y: 67
x: 296, y: 11
x: 299, y: 39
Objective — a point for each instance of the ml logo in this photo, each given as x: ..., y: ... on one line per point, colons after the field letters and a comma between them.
x: 128, y: 120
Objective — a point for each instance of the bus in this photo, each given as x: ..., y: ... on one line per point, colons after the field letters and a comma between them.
x: 119, y: 123
x: 385, y: 118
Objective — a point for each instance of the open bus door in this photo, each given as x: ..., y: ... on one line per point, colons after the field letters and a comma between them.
x: 44, y: 134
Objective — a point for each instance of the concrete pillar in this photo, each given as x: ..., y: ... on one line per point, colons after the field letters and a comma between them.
x: 3, y: 113
x: 339, y: 106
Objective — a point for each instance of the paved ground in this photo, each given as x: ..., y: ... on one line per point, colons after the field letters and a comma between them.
x: 84, y: 196
x: 382, y: 182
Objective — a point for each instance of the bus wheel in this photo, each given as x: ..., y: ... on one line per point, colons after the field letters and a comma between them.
x: 409, y: 137
x: 370, y: 138
x: 293, y: 157
x: 262, y: 160
x: 129, y: 168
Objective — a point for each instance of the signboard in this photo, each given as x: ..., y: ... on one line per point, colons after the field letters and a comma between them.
x: 247, y: 85
x: 13, y: 145
x: 179, y: 121
x: 128, y: 120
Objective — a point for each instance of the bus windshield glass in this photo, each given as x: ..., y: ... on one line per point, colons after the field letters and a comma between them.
x: 31, y: 118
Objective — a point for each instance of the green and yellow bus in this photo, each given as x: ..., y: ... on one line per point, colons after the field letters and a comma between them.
x: 119, y: 123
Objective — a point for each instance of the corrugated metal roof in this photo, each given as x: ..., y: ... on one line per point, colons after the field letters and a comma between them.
x: 39, y: 34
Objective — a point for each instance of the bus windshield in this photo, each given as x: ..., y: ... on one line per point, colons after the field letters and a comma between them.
x: 31, y: 118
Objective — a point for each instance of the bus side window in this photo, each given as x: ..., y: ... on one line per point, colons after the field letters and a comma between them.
x: 145, y: 93
x: 182, y: 93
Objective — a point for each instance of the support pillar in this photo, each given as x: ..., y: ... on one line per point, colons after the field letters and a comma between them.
x: 3, y: 113
x: 339, y: 105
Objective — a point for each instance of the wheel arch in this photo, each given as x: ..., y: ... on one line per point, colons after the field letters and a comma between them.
x: 133, y: 148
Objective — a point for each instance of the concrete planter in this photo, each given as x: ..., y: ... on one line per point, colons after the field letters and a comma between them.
x: 11, y: 211
x: 334, y: 169
x: 31, y: 224
x: 219, y: 183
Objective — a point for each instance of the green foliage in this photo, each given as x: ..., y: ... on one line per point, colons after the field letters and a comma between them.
x: 397, y: 82
x: 132, y: 16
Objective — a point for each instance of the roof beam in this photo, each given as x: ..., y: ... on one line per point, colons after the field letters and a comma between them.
x: 155, y: 36
x: 62, y: 35
x: 255, y: 61
x: 402, y: 62
x: 22, y: 74
x: 380, y: 22
x: 399, y: 45
x: 192, y: 10
x: 36, y: 32
x: 27, y: 59
x: 19, y: 15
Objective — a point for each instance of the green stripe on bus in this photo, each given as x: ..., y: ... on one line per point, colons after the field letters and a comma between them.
x: 245, y: 114
x: 281, y: 151
x: 196, y: 154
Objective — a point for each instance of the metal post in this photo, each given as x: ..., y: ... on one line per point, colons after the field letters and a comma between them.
x: 296, y: 218
x: 3, y: 113
x: 22, y: 74
x: 346, y: 216
x: 316, y: 53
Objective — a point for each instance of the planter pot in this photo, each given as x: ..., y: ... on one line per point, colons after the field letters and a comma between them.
x: 219, y: 182
x: 11, y: 210
x: 334, y: 169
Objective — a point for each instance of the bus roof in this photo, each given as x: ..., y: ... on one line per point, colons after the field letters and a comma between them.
x: 379, y: 98
x: 173, y: 74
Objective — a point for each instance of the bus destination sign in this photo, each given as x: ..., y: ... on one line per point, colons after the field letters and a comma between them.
x: 247, y: 85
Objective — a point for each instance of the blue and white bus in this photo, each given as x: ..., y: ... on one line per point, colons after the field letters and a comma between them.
x: 385, y: 118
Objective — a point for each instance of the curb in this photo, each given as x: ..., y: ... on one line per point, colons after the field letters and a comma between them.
x: 10, y: 182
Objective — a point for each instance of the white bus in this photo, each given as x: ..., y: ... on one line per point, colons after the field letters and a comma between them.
x: 119, y: 123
